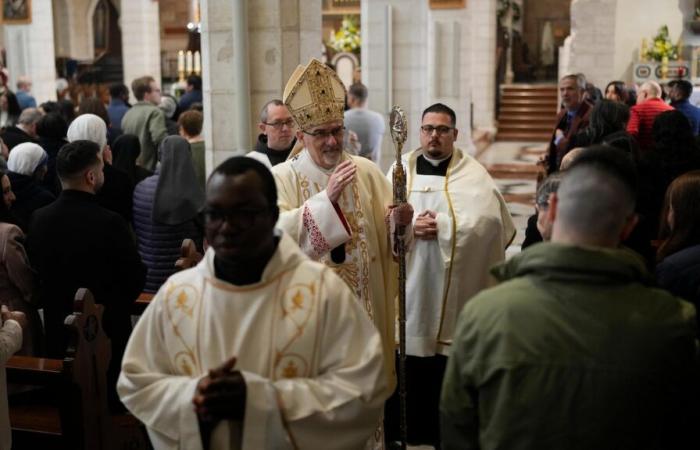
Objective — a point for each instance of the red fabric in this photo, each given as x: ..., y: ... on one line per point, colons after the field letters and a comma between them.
x: 342, y: 217
x: 642, y: 118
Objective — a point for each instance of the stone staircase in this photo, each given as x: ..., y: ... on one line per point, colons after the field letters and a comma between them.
x: 527, y: 112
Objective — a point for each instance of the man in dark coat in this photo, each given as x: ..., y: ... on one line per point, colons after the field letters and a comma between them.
x: 74, y: 243
x: 572, y: 118
x: 24, y: 131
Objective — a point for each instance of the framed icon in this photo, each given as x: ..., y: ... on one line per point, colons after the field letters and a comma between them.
x: 16, y: 11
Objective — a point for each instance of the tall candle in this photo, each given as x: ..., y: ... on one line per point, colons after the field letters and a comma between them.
x: 188, y: 65
x: 197, y: 63
x: 180, y: 61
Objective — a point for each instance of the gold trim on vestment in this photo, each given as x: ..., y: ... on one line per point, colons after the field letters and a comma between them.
x: 448, y: 279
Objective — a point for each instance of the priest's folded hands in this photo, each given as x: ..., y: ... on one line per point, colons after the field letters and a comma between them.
x: 221, y: 395
x: 426, y: 226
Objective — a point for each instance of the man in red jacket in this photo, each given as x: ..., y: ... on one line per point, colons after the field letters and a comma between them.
x: 642, y: 115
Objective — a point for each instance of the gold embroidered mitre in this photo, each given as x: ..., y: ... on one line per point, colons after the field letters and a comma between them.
x: 314, y: 95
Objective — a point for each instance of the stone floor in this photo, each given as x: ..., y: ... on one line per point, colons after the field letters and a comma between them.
x: 513, y: 167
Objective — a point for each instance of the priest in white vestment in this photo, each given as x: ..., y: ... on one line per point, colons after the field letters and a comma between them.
x: 336, y: 205
x: 461, y: 229
x: 257, y: 347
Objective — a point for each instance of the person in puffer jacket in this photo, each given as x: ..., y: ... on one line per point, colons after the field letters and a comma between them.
x: 166, y: 211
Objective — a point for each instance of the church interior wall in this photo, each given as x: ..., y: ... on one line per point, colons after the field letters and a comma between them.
x: 637, y: 19
x: 413, y: 56
x: 30, y: 50
x: 174, y: 16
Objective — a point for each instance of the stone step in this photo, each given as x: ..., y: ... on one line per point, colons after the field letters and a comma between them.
x: 532, y: 109
x: 529, y: 87
x: 523, y: 136
x: 532, y: 101
x: 515, y: 95
x: 507, y: 127
x: 518, y: 119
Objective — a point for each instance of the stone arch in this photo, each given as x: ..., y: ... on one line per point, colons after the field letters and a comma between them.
x: 92, y: 6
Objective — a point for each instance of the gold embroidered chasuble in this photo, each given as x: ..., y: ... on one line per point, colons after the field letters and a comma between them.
x: 311, y: 359
x: 310, y: 218
x: 474, y: 229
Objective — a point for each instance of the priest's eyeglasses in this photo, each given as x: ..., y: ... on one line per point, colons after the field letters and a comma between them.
x: 289, y: 123
x: 325, y: 134
x: 243, y: 217
x: 441, y: 130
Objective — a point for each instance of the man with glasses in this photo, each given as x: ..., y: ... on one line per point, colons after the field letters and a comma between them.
x: 257, y: 347
x: 335, y: 205
x: 276, y: 139
x: 461, y: 230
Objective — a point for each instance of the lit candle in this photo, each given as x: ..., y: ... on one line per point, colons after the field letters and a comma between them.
x: 188, y: 65
x: 197, y: 63
x: 180, y: 61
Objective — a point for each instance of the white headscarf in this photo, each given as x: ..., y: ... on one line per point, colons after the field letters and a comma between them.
x: 26, y: 158
x: 88, y: 127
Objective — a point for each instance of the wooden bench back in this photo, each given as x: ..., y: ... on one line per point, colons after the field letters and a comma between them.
x: 74, y: 388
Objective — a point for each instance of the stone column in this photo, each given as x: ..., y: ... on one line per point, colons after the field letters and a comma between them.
x: 413, y: 56
x: 280, y: 35
x: 30, y: 51
x: 483, y: 62
x: 140, y: 39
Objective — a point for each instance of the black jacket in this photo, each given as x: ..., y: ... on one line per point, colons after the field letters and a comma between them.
x: 51, y: 146
x: 30, y: 194
x: 117, y: 192
x: 679, y: 273
x: 75, y: 243
x: 13, y: 136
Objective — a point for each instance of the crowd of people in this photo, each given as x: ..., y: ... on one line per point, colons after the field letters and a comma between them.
x: 283, y: 335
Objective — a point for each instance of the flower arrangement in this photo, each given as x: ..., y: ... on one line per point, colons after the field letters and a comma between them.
x: 347, y: 38
x: 662, y: 48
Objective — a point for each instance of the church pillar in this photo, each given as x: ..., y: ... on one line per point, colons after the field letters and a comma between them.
x: 246, y: 62
x: 30, y: 51
x: 414, y: 56
x: 140, y: 39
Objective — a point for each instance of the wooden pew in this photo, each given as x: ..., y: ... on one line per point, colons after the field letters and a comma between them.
x: 189, y: 257
x: 62, y: 403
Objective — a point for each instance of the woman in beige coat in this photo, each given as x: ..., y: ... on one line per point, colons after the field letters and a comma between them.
x: 17, y: 279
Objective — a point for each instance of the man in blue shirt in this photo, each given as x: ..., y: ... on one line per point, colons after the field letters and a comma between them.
x: 118, y: 104
x: 24, y: 98
x: 679, y: 93
x: 193, y: 92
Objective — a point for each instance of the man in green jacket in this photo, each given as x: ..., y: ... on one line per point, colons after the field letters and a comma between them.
x: 146, y: 120
x: 574, y: 349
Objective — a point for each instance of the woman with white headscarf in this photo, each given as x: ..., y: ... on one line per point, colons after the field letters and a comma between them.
x: 26, y: 168
x: 166, y: 210
x: 117, y: 191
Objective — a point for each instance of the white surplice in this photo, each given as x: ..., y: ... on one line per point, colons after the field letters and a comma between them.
x: 312, y: 361
x: 358, y: 223
x: 474, y: 229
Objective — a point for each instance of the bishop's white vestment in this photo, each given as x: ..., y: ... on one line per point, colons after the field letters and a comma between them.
x: 311, y: 360
x: 358, y: 223
x: 474, y: 229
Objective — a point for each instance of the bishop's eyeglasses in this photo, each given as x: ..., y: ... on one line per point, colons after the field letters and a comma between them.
x: 325, y: 134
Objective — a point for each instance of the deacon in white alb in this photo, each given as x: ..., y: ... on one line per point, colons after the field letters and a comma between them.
x: 462, y: 228
x: 257, y: 347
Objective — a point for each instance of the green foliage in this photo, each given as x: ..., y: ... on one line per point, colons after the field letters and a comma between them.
x: 347, y: 38
x: 661, y: 46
